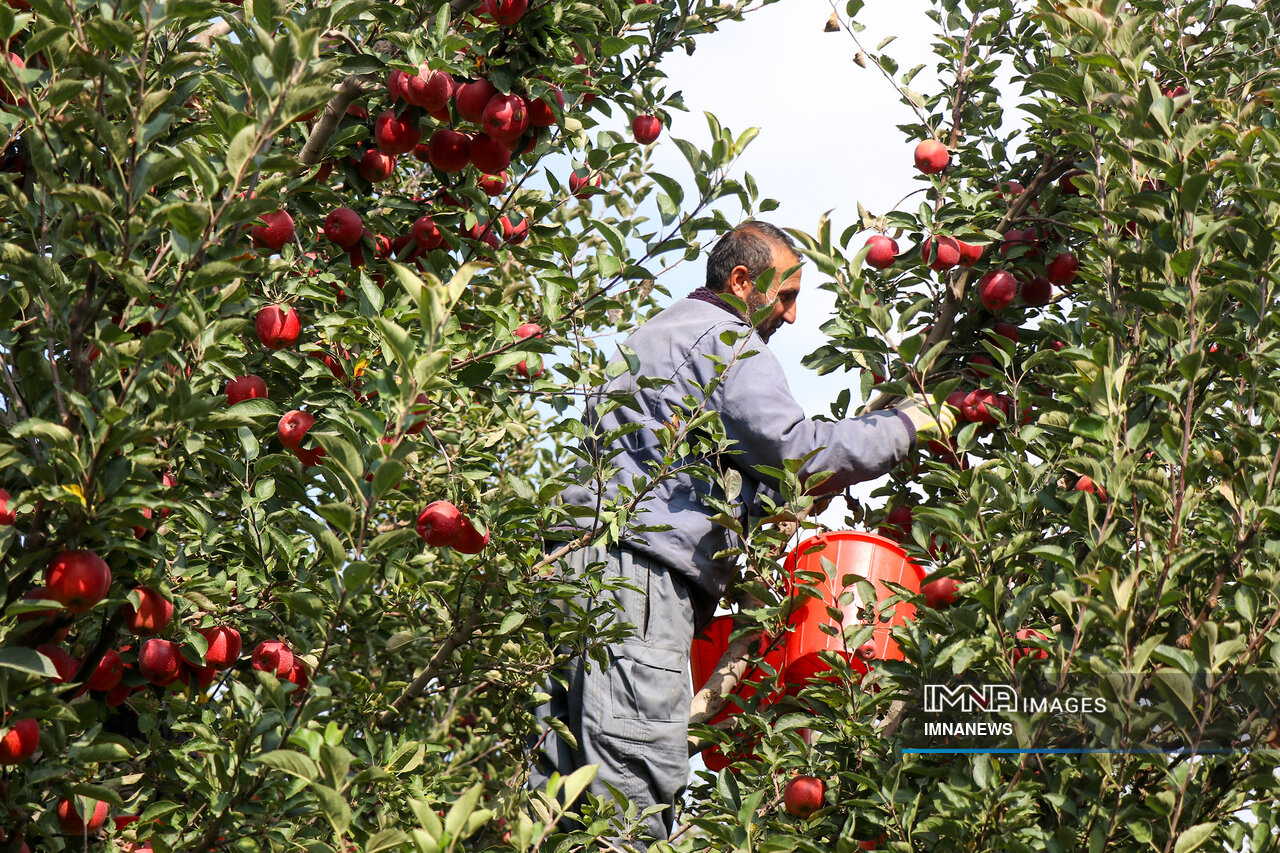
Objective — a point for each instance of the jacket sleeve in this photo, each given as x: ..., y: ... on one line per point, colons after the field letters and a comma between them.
x: 768, y: 426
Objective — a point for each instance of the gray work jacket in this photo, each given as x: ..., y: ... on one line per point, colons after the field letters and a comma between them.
x: 684, y: 344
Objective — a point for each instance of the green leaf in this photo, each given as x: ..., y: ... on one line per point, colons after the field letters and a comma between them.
x: 510, y: 622
x: 27, y: 660
x: 241, y: 149
x: 104, y: 750
x: 288, y: 761
x: 55, y: 433
x: 576, y: 782
x: 399, y: 346
x: 387, y: 838
x: 1195, y: 837
x: 335, y: 807
x: 456, y: 820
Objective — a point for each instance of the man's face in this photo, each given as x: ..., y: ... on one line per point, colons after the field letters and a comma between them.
x: 782, y: 294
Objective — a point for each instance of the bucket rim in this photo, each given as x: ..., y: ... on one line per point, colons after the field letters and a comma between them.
x: 850, y: 535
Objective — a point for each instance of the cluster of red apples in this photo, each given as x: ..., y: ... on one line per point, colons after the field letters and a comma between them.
x: 473, y: 124
x: 1029, y: 279
x: 77, y: 581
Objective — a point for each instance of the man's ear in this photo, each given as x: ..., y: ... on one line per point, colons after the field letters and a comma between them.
x: 739, y: 282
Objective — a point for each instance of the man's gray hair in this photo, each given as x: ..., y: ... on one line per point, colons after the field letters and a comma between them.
x: 749, y: 245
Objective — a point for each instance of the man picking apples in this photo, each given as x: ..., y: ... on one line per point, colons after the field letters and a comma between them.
x: 631, y: 717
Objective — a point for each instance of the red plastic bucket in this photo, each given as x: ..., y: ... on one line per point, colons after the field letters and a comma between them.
x: 706, y: 651
x: 854, y: 556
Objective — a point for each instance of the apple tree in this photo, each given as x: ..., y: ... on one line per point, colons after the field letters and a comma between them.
x: 1088, y: 272
x: 280, y: 287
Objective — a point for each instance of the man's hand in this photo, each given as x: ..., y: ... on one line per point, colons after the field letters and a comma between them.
x: 928, y: 428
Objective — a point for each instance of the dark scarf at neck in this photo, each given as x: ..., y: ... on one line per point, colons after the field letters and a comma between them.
x: 706, y: 294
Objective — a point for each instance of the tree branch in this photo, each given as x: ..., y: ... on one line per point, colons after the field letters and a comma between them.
x: 323, y: 130
x: 206, y: 37
x: 460, y: 635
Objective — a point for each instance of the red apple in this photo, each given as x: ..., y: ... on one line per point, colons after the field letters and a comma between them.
x: 7, y: 515
x: 505, y: 117
x: 1065, y: 184
x: 493, y: 185
x: 241, y: 388
x: 376, y: 166
x: 483, y: 231
x: 969, y: 254
x: 17, y: 62
x: 293, y: 428
x: 946, y: 254
x: 160, y: 662
x: 580, y: 185
x: 278, y: 326
x: 514, y: 233
x: 116, y: 695
x: 396, y: 134
x: 646, y: 128
x: 20, y: 742
x: 1006, y: 330
x: 488, y: 154
x: 540, y: 112
x: 395, y: 84
x: 276, y: 231
x: 1062, y: 269
x: 1036, y: 290
x: 108, y: 672
x: 1086, y: 484
x: 428, y: 89
x: 804, y: 795
x: 440, y: 524
x: 883, y: 251
x: 932, y: 156
x: 505, y: 13
x: 273, y: 656
x: 298, y: 674
x: 1029, y: 650
x: 72, y: 820
x: 224, y: 646
x: 448, y: 150
x: 940, y: 593
x: 472, y: 97
x: 421, y: 408
x: 63, y: 663
x: 333, y: 363
x: 470, y: 540
x: 310, y: 456
x: 343, y: 226
x: 77, y: 579
x: 981, y: 366
x: 527, y: 330
x: 997, y: 289
x: 1016, y: 238
x: 980, y: 407
x: 425, y: 233
x: 152, y: 615
x: 897, y: 523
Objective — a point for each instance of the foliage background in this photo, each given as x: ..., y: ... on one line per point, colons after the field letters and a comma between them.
x: 137, y: 156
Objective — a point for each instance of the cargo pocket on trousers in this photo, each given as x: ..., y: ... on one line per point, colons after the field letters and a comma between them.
x: 649, y: 685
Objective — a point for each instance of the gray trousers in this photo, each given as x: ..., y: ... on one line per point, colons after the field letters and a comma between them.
x: 631, y: 717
